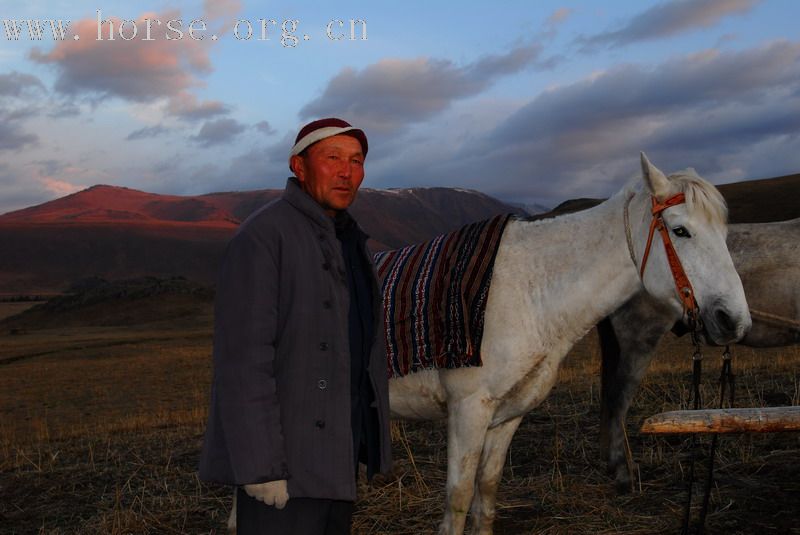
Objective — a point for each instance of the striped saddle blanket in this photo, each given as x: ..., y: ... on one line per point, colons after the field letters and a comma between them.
x: 434, y: 297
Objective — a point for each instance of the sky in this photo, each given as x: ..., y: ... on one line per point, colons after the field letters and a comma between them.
x: 531, y: 102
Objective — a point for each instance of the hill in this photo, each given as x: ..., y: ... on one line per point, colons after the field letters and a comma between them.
x: 118, y: 233
x: 121, y: 233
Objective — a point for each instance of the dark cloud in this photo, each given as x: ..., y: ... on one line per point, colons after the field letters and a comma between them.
x: 63, y: 109
x: 264, y: 127
x: 147, y: 132
x: 50, y: 167
x: 393, y: 93
x: 707, y: 110
x: 185, y: 106
x: 17, y: 84
x: 20, y: 95
x: 13, y: 137
x: 218, y: 132
x: 669, y: 18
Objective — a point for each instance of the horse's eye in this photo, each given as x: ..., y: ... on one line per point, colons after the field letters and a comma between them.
x: 681, y: 232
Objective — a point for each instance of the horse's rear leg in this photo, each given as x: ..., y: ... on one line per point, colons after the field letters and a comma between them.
x: 467, y: 422
x: 493, y: 458
x: 626, y: 355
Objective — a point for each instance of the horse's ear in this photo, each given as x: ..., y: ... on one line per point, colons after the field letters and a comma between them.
x: 658, y: 184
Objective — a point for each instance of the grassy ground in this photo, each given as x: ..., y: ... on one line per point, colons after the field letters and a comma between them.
x: 100, y: 432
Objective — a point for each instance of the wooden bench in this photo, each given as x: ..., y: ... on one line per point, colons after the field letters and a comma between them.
x: 749, y: 420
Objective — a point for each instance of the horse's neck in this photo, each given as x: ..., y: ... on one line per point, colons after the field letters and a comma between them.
x: 580, y: 266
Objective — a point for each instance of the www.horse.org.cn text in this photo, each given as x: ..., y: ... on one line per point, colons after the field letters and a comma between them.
x: 286, y: 32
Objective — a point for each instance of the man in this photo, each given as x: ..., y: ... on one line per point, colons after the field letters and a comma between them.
x: 300, y: 391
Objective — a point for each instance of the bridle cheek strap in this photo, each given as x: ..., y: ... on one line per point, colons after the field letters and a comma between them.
x: 682, y: 284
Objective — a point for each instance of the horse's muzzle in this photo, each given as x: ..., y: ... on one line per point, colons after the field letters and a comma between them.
x: 723, y: 326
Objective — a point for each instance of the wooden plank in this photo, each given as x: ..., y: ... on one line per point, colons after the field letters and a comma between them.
x: 749, y: 420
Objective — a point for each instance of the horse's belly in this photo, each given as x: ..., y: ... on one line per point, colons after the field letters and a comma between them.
x: 417, y: 396
x: 528, y: 391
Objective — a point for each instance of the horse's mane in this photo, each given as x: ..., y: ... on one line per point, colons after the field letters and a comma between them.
x: 701, y: 195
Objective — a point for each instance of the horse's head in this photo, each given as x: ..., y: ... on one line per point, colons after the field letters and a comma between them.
x: 695, y: 224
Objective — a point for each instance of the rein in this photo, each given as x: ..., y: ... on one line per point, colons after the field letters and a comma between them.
x: 692, y: 312
x: 685, y: 291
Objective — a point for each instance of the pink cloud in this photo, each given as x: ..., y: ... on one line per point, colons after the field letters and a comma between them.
x: 139, y: 70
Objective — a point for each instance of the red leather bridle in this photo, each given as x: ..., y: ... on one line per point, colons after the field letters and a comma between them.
x: 682, y: 284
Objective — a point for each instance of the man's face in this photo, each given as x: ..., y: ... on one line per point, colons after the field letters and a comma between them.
x: 331, y: 171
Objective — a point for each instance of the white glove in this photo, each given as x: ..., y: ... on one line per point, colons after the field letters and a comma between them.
x: 271, y: 492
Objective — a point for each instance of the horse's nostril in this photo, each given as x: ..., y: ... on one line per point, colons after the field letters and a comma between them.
x: 724, y: 320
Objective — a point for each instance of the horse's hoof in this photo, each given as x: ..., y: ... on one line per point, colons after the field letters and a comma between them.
x: 622, y: 481
x: 622, y: 487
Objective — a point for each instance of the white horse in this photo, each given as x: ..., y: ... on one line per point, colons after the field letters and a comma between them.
x: 554, y: 280
x: 767, y: 258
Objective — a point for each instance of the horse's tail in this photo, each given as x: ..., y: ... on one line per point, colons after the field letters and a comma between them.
x: 610, y: 353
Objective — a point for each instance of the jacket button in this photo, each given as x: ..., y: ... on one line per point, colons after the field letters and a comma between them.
x: 326, y: 266
x: 321, y: 237
x: 320, y: 423
x: 326, y: 304
x: 323, y: 346
x: 322, y: 384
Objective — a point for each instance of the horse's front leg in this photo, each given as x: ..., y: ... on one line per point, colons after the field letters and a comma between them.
x: 467, y: 421
x: 493, y: 458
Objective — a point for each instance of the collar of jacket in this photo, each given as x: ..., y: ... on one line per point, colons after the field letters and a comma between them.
x: 301, y: 200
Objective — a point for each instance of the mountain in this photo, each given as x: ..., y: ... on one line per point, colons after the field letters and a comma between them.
x: 120, y: 233
x: 759, y: 201
x: 751, y: 201
x: 105, y: 204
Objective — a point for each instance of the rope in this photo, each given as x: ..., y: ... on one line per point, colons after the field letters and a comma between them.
x: 628, y: 237
x: 775, y: 319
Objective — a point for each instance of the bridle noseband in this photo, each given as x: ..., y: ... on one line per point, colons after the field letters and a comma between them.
x: 682, y: 284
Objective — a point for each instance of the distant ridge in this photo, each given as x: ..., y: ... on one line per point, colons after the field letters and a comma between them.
x: 758, y: 201
x: 108, y: 204
x: 116, y: 232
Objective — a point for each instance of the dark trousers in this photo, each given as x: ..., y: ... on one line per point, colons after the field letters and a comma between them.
x: 300, y: 516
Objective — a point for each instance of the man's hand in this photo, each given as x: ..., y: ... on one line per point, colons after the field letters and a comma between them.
x: 271, y: 492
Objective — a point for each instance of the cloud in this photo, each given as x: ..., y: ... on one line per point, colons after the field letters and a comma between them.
x: 147, y: 132
x: 12, y: 137
x: 59, y: 188
x: 50, y: 167
x: 667, y: 19
x: 705, y: 110
x: 221, y: 13
x: 264, y: 127
x: 63, y: 109
x: 559, y: 15
x: 20, y: 95
x: 218, y: 132
x: 388, y: 95
x: 17, y: 84
x: 186, y: 106
x: 137, y: 70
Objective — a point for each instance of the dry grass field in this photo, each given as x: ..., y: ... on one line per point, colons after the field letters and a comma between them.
x: 101, y: 428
